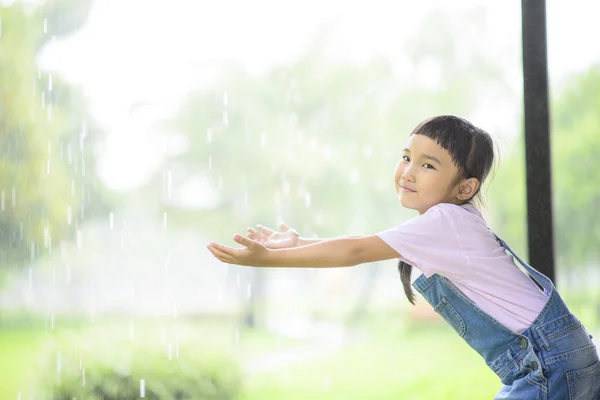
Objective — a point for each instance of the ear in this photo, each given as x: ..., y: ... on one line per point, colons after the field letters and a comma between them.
x: 467, y: 189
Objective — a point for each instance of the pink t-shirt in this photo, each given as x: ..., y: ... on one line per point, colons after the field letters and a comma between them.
x: 454, y: 242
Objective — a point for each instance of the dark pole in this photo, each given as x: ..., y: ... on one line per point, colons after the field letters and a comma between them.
x: 537, y: 137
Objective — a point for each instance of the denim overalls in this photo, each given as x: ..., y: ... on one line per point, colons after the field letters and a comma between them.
x: 554, y: 358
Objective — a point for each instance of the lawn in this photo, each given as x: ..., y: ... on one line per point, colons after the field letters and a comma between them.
x: 384, y: 360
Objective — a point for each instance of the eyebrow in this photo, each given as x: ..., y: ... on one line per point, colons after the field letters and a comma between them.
x: 427, y: 156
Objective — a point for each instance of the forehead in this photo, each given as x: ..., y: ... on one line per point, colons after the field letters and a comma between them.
x: 420, y: 144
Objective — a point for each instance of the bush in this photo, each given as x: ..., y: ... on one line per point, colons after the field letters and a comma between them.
x: 106, y: 369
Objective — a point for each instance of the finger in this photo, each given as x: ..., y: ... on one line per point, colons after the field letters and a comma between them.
x: 245, y: 241
x: 265, y: 230
x: 255, y: 235
x: 221, y: 256
x: 230, y: 251
x: 284, y: 227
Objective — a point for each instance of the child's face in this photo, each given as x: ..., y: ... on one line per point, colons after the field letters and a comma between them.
x: 426, y: 175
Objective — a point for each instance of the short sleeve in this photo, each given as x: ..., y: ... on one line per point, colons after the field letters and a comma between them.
x: 429, y: 243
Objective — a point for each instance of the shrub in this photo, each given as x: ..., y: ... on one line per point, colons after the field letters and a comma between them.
x: 106, y: 369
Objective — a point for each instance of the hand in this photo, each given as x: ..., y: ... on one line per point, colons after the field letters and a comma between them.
x: 252, y: 254
x: 272, y: 239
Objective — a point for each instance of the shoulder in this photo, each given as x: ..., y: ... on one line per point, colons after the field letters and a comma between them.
x: 466, y: 212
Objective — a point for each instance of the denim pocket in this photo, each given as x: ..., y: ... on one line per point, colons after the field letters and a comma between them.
x: 584, y: 383
x: 452, y: 317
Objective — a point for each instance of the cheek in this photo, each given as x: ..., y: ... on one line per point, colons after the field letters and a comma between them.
x: 397, y: 174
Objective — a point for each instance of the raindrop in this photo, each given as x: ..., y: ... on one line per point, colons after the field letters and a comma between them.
x: 263, y: 139
x: 45, y: 26
x: 69, y: 215
x: 68, y: 273
x: 83, y: 134
x: 286, y: 187
x: 307, y: 199
x: 111, y: 221
x: 165, y: 220
x: 210, y: 163
x: 225, y: 119
x: 83, y: 377
x: 49, y: 82
x: 48, y: 167
x: 142, y: 388
x: 43, y: 99
x: 72, y: 187
x: 14, y: 197
x: 169, y: 183
x: 69, y: 154
x: 209, y: 136
x: 354, y: 176
x: 79, y: 240
x: 225, y: 99
x: 58, y: 363
x: 249, y: 290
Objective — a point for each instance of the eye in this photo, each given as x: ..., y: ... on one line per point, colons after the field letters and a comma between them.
x: 428, y: 166
x: 406, y: 158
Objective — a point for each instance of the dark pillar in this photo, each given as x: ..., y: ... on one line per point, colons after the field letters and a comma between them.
x: 537, y: 137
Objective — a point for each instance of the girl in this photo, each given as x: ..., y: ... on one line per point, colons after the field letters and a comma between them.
x: 517, y: 322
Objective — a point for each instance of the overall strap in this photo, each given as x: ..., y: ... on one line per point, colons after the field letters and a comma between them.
x: 540, y: 279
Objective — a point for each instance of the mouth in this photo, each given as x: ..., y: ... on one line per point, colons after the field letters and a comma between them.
x: 406, y: 189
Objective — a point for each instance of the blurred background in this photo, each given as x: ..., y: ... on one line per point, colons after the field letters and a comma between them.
x: 133, y: 132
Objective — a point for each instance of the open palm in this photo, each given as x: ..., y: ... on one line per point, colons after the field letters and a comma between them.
x: 272, y: 239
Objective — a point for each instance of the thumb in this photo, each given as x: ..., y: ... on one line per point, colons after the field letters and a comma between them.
x: 244, y: 241
x: 284, y: 227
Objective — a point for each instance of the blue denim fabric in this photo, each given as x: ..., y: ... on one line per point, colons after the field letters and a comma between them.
x: 554, y: 358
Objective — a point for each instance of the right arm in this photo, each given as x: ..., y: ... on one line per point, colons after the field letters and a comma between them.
x: 286, y: 238
x: 305, y: 242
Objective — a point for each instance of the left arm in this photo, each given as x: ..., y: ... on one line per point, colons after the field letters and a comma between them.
x: 341, y: 252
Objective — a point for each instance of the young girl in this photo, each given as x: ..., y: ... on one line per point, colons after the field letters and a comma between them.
x: 517, y: 322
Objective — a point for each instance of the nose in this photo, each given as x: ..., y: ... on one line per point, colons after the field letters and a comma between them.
x: 407, y: 174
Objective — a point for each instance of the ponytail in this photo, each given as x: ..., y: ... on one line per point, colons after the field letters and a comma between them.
x: 405, y: 271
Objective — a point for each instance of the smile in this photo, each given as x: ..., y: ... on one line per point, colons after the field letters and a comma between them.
x: 407, y: 190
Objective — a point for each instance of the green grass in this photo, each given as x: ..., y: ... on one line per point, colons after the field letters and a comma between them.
x: 421, y: 364
x: 19, y: 350
x: 387, y: 361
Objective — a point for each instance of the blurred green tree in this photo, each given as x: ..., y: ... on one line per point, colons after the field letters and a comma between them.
x: 48, y: 183
x: 575, y: 144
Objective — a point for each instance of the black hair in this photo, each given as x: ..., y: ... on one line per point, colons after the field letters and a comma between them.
x: 472, y: 151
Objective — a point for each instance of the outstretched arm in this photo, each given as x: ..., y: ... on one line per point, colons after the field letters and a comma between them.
x: 341, y: 252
